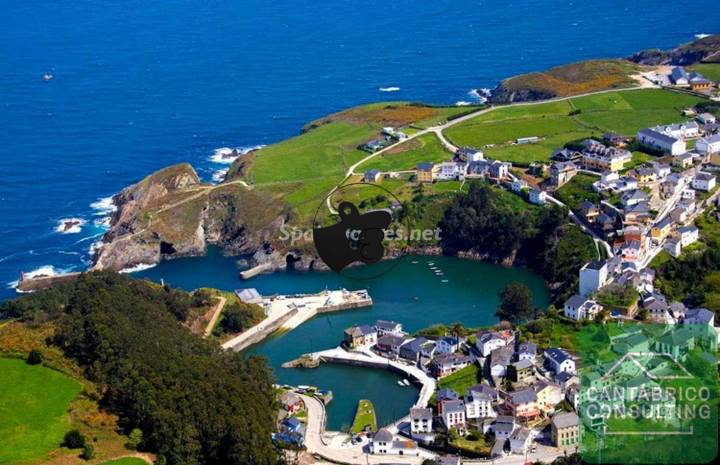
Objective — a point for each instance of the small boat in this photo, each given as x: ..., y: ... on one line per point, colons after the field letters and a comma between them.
x: 431, y: 263
x: 400, y: 383
x: 444, y: 281
x: 406, y: 382
x: 47, y: 76
x: 414, y: 262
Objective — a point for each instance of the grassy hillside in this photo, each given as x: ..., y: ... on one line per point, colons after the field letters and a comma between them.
x: 709, y: 70
x: 34, y: 403
x: 564, y: 121
x: 425, y: 148
x: 567, y: 80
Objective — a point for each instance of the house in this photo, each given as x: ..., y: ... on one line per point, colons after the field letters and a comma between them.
x: 699, y: 83
x: 425, y: 172
x: 413, y: 349
x: 479, y: 404
x: 708, y: 145
x: 447, y: 345
x: 450, y: 171
x: 371, y: 176
x: 522, y: 404
x: 601, y: 158
x: 484, y: 389
x: 661, y: 229
x: 661, y: 142
x: 449, y: 460
x: 421, y: 421
x: 612, y: 138
x: 688, y: 235
x: 686, y: 130
x: 673, y: 247
x: 679, y: 76
x: 676, y: 342
x: 683, y: 160
x: 699, y: 316
x: 636, y: 342
x: 249, y: 295
x: 500, y: 358
x: 688, y: 194
x: 580, y: 308
x: 518, y: 185
x: 384, y: 327
x: 527, y: 351
x: 703, y: 181
x: 390, y: 343
x: 567, y: 155
x: 706, y: 118
x: 548, y: 396
x: 630, y: 250
x: 374, y: 145
x: 537, y: 196
x: 487, y: 341
x: 504, y: 426
x: 453, y: 414
x: 644, y: 174
x: 446, y: 364
x: 292, y: 431
x: 520, y: 440
x: 522, y: 371
x: 469, y: 155
x: 558, y: 361
x: 359, y: 337
x: 291, y: 402
x: 384, y: 443
x: 593, y: 276
x: 499, y: 169
x: 638, y: 213
x: 589, y: 210
x: 562, y: 172
x: 631, y: 198
x: 565, y: 429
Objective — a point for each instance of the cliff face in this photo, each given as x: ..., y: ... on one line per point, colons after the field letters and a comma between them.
x: 171, y: 214
x: 705, y: 49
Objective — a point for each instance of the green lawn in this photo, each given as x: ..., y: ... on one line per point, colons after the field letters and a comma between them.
x: 33, y: 410
x: 577, y: 190
x: 461, y: 380
x: 426, y: 148
x: 126, y: 461
x: 364, y: 417
x: 709, y: 70
x: 624, y: 112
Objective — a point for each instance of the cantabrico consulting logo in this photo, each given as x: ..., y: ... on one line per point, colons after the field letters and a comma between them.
x: 648, y: 393
x: 357, y: 224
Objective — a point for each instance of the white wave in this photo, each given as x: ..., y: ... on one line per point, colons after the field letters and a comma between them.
x: 138, y: 267
x: 45, y: 270
x: 462, y: 103
x: 227, y: 155
x: 95, y: 247
x: 103, y: 222
x: 89, y: 238
x: 702, y: 36
x: 219, y: 175
x: 389, y: 89
x: 481, y: 95
x: 103, y: 206
x: 70, y: 225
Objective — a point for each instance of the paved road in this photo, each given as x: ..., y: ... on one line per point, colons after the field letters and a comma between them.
x: 579, y: 221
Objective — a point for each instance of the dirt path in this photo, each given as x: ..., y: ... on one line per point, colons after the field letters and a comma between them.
x: 216, y: 314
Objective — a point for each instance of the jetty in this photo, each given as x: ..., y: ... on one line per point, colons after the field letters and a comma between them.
x: 286, y: 312
x: 368, y: 358
x: 256, y: 270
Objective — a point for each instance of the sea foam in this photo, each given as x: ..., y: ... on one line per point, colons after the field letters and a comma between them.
x: 138, y: 267
x: 227, y: 155
x: 45, y: 270
x: 103, y: 206
x: 70, y: 225
x: 389, y: 89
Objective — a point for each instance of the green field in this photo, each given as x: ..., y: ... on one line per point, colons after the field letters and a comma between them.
x: 364, y: 417
x: 578, y: 190
x: 126, y: 461
x: 461, y: 380
x: 425, y: 148
x: 33, y: 410
x: 709, y: 70
x: 624, y: 112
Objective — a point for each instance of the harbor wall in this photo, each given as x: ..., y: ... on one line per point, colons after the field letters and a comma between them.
x: 265, y: 332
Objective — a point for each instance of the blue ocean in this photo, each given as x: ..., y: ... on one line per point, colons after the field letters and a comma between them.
x: 140, y: 85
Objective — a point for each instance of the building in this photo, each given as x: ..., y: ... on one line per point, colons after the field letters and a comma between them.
x: 679, y: 76
x: 589, y: 210
x: 500, y: 358
x: 522, y: 404
x: 537, y: 197
x: 558, y: 361
x: 699, y: 316
x: 384, y: 327
x: 686, y: 130
x: 661, y: 229
x: 448, y: 344
x: 499, y: 169
x: 446, y: 364
x: 706, y: 118
x: 371, y: 176
x: 421, y: 421
x: 580, y: 308
x: 384, y: 443
x: 453, y: 414
x: 527, y: 351
x: 549, y: 395
x: 593, y: 276
x: 520, y: 440
x: 450, y: 171
x: 390, y: 343
x: 628, y: 199
x: 504, y: 426
x: 518, y: 185
x: 673, y: 247
x: 359, y: 337
x: 522, y: 371
x: 417, y: 349
x: 479, y: 404
x: 424, y: 172
x: 565, y: 429
x: 661, y: 142
x: 688, y: 235
x: 249, y: 295
x: 598, y: 157
x: 561, y: 172
x: 684, y: 160
x: 527, y: 140
x: 291, y: 402
x: 469, y: 155
x: 487, y: 341
x: 708, y: 145
x: 703, y: 181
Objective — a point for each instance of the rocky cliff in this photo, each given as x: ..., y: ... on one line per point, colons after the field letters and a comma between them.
x: 706, y: 49
x: 170, y: 214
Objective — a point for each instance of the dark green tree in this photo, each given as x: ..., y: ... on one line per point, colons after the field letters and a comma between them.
x: 35, y: 357
x: 515, y: 303
x: 74, y: 440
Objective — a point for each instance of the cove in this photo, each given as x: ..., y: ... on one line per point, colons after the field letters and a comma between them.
x: 410, y: 293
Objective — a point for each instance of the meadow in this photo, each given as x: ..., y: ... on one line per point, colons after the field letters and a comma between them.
x: 34, y: 403
x: 425, y: 148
